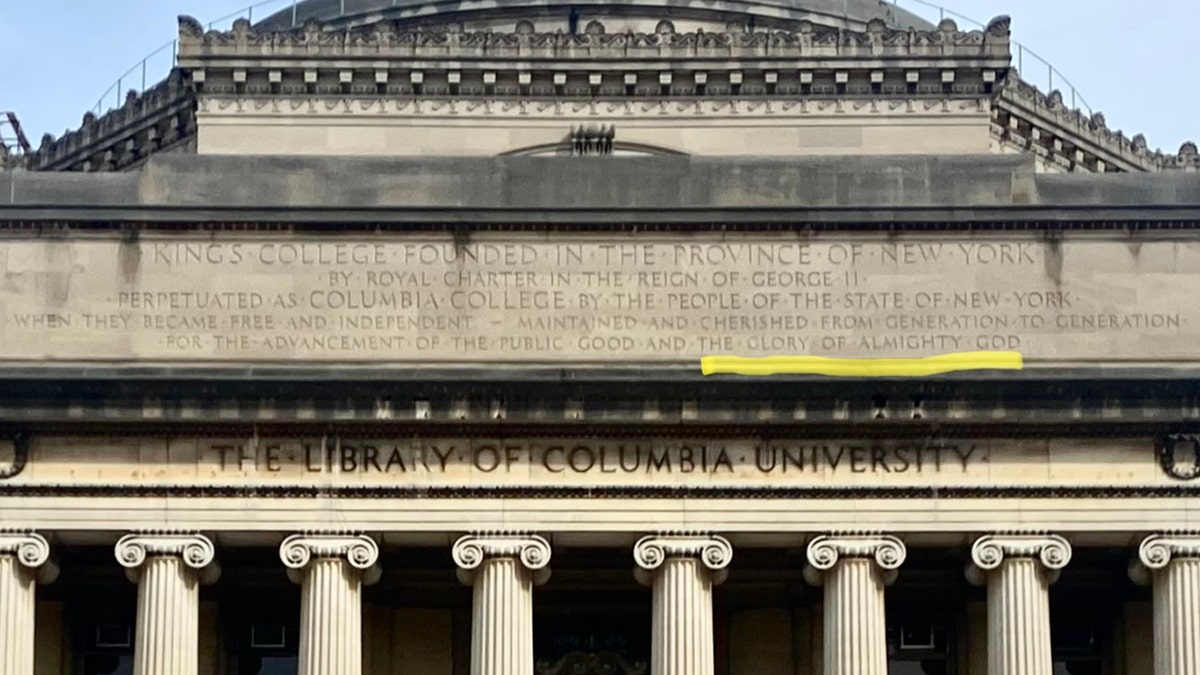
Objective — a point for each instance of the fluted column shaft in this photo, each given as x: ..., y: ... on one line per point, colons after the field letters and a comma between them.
x: 168, y: 569
x: 168, y: 619
x: 682, y: 570
x: 855, y: 631
x: 1019, y: 619
x: 330, y: 618
x: 1019, y: 570
x: 23, y: 563
x: 502, y: 570
x: 1174, y: 563
x: 331, y: 570
x: 855, y: 569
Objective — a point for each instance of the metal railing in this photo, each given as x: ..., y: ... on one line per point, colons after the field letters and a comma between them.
x: 1021, y: 55
x: 164, y: 58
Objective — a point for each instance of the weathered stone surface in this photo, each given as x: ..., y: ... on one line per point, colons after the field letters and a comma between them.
x: 631, y: 462
x: 980, y: 188
x: 602, y: 299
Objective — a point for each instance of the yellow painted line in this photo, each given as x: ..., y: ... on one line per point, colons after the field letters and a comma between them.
x: 832, y: 367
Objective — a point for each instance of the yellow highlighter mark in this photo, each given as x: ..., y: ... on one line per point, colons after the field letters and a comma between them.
x: 834, y: 367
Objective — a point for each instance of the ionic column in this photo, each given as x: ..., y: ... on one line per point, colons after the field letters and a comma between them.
x: 24, y: 563
x: 502, y: 569
x: 168, y: 569
x: 855, y: 570
x: 331, y: 569
x: 682, y: 570
x: 1018, y: 570
x: 1173, y: 563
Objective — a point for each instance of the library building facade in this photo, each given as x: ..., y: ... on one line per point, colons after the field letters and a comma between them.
x: 525, y: 337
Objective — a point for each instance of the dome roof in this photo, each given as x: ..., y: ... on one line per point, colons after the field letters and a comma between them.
x: 848, y: 13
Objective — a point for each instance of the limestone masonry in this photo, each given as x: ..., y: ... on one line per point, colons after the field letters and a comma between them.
x: 370, y: 342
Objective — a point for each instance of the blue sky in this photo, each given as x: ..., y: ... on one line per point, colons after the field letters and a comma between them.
x: 1135, y: 61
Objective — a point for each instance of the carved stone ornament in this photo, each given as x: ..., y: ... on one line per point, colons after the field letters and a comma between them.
x: 31, y: 550
x: 195, y: 550
x: 1158, y: 550
x: 714, y: 552
x: 824, y: 552
x: 358, y: 550
x: 990, y: 551
x: 1179, y: 456
x: 471, y: 551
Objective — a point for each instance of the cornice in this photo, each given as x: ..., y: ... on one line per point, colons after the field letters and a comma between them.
x: 156, y: 119
x: 387, y: 39
x: 1029, y: 119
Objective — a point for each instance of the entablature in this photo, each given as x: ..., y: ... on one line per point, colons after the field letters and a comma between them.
x: 394, y: 59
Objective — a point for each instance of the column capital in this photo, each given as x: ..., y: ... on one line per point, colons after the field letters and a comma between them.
x: 714, y: 551
x: 358, y: 550
x: 1158, y: 550
x: 31, y: 550
x: 989, y: 551
x: 533, y: 551
x: 825, y: 551
x: 194, y: 549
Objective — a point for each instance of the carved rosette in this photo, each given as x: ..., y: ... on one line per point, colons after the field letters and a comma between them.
x: 990, y: 551
x: 358, y: 550
x: 471, y: 551
x: 713, y: 551
x: 824, y: 552
x: 195, y: 550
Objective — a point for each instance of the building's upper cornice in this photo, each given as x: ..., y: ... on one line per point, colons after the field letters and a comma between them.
x: 386, y: 39
x: 399, y: 59
x: 851, y: 14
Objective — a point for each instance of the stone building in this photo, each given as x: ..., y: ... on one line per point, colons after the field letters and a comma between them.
x: 793, y: 338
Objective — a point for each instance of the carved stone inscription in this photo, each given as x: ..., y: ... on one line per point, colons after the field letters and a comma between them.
x: 452, y: 461
x: 429, y: 298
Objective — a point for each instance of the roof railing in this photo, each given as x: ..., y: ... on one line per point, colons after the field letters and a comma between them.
x: 163, y: 59
x: 1022, y: 54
